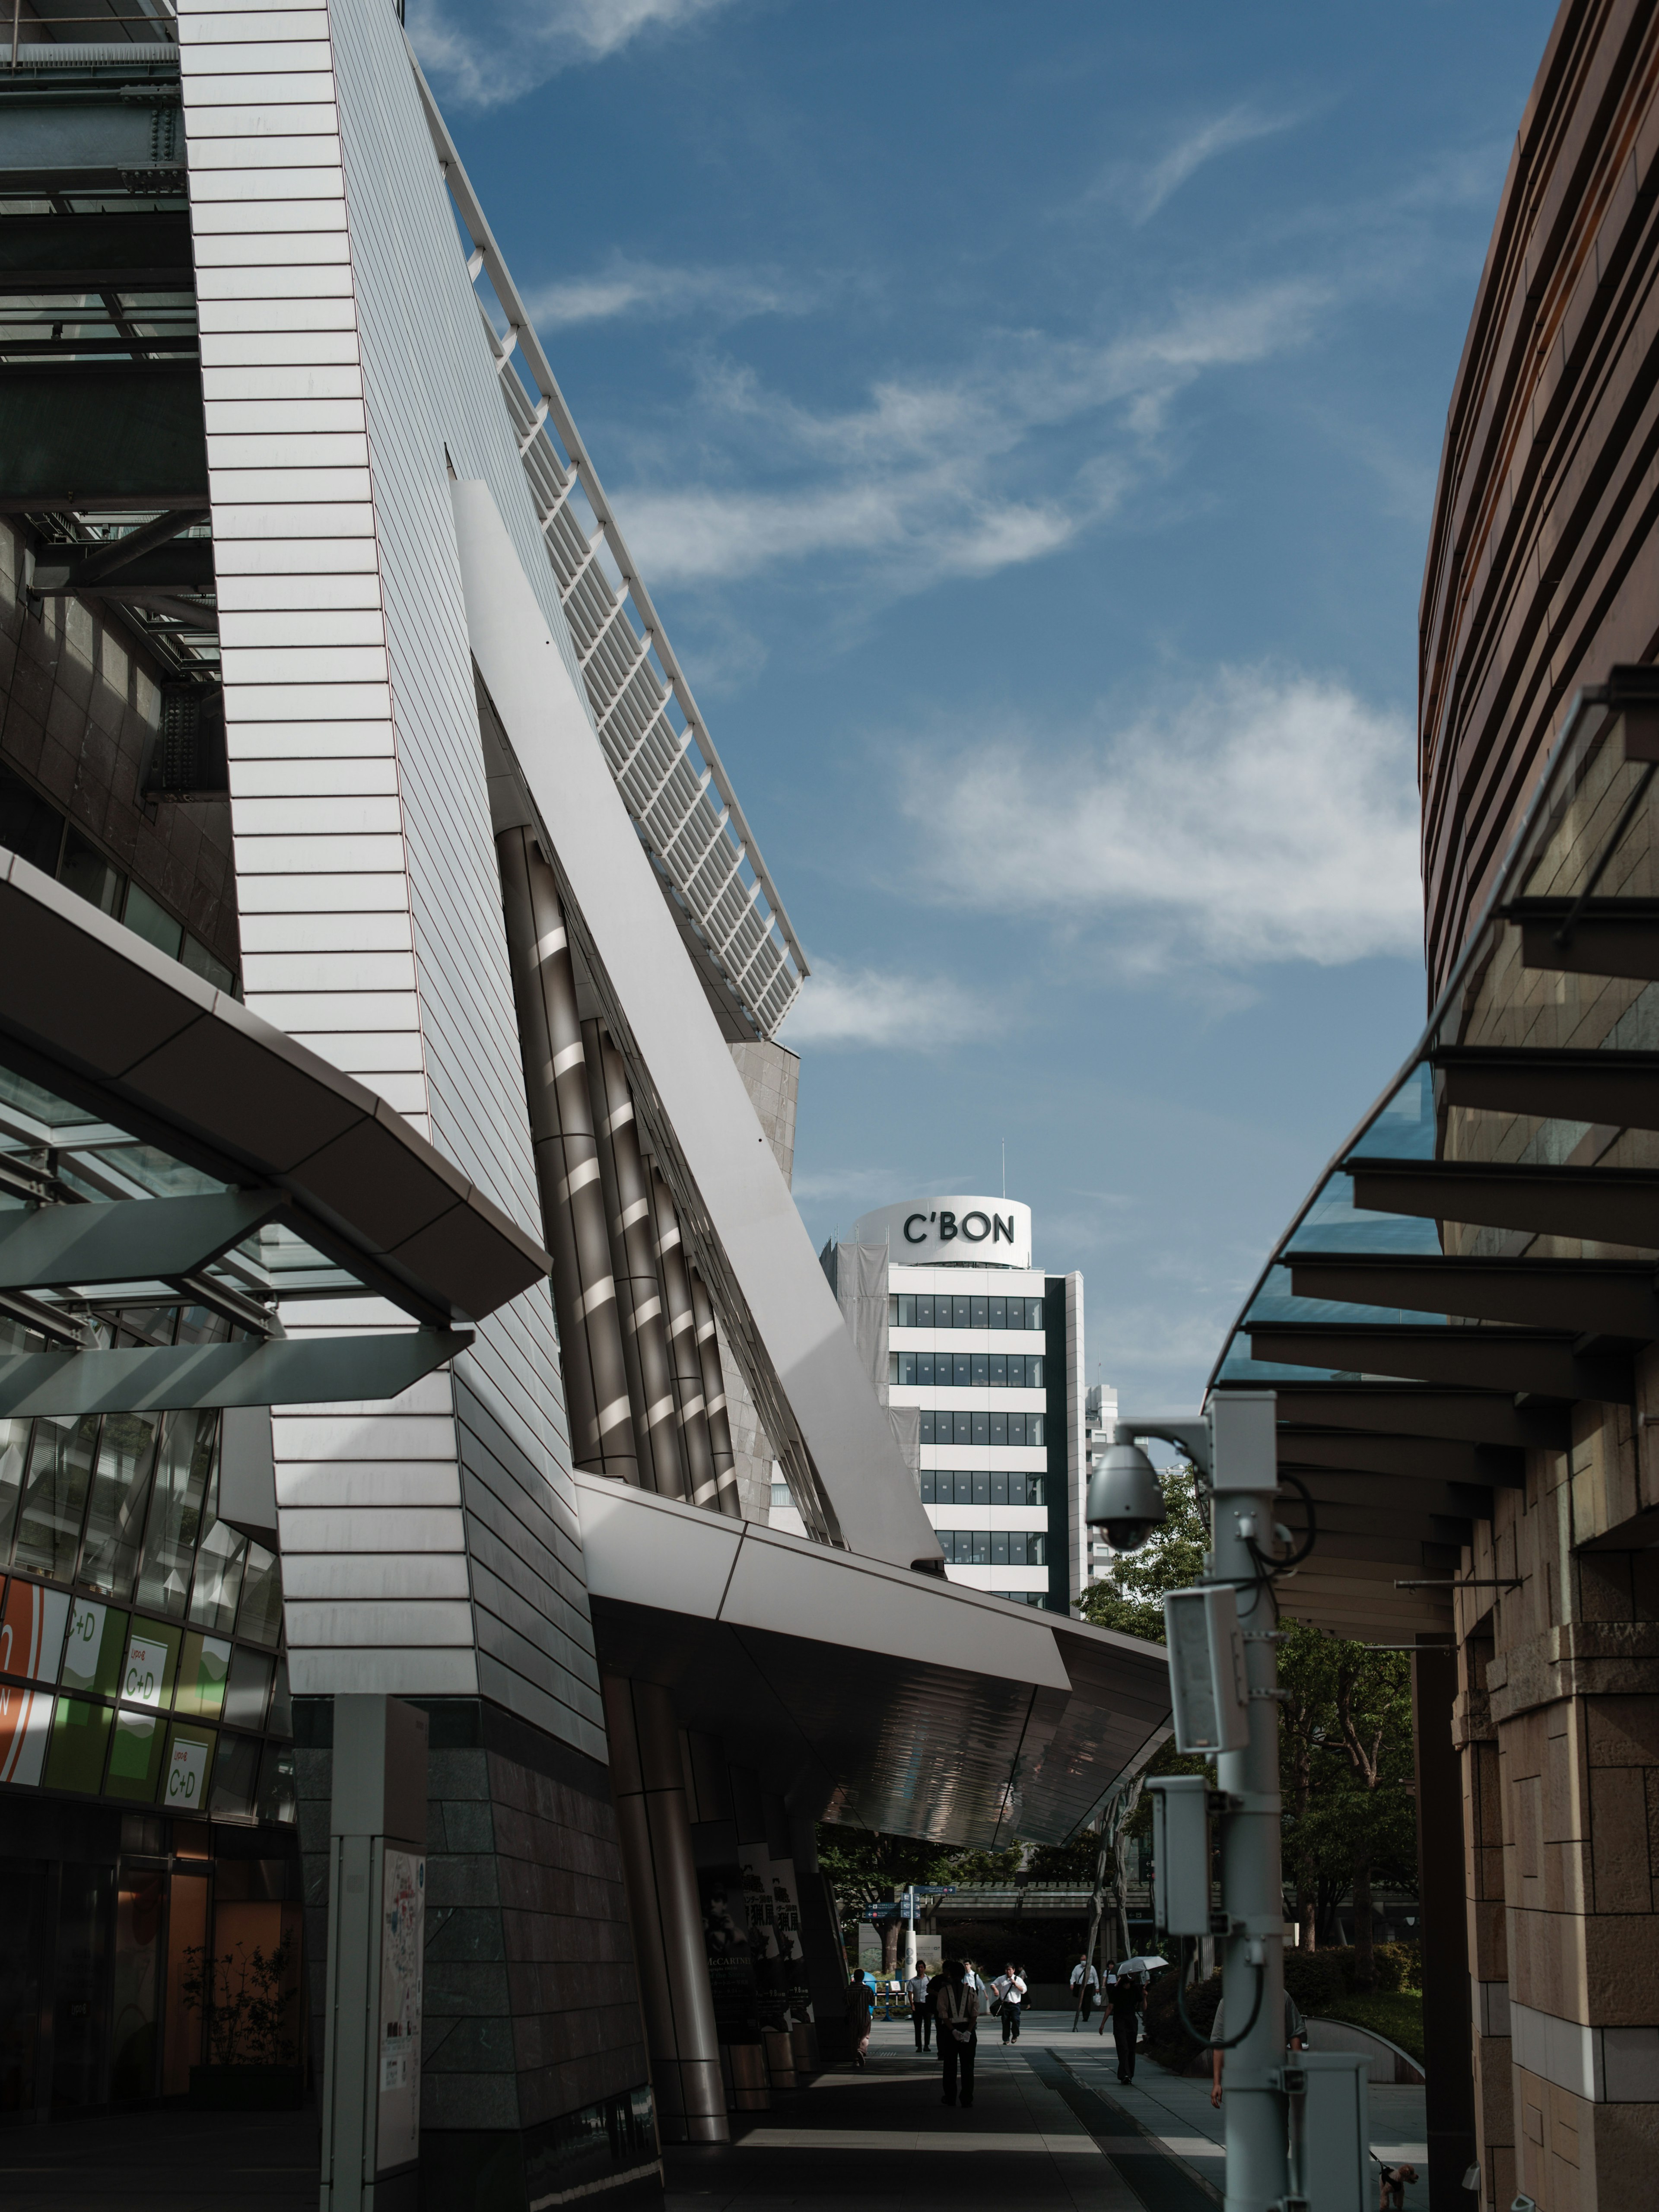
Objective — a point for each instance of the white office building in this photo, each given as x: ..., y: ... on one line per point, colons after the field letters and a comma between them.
x: 981, y: 1355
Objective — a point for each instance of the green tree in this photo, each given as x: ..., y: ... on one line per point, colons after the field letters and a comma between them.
x: 1132, y: 1600
x: 867, y: 1868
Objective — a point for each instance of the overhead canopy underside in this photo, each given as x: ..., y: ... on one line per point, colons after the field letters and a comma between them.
x: 1481, y: 1255
x: 879, y: 1697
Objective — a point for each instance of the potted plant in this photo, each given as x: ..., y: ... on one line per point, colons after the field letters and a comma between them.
x: 246, y: 1998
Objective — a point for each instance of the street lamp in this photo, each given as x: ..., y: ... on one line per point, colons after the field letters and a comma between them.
x: 1222, y: 1642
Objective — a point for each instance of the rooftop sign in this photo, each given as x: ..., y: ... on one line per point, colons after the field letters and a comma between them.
x: 957, y: 1232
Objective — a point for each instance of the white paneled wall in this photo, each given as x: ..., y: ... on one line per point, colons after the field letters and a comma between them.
x: 432, y: 1545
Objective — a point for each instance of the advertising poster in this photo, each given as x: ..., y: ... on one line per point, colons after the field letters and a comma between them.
x: 760, y: 1915
x: 25, y: 1722
x: 403, y: 1937
x: 32, y: 1631
x: 792, y: 1952
x: 730, y: 1964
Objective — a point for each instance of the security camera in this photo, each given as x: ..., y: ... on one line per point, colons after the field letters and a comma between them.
x: 1124, y: 1497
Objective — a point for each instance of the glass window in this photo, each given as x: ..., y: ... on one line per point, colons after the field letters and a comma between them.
x: 1036, y: 1490
x: 907, y: 1361
x: 147, y: 920
x: 190, y: 1763
x: 980, y: 1369
x: 80, y: 1737
x: 997, y: 1368
x: 135, y: 1756
x: 981, y: 1488
x: 249, y: 1690
x: 929, y: 1482
x: 958, y: 1313
x: 261, y: 1617
x: 95, y: 1648
x: 1017, y: 1548
x: 998, y: 1313
x: 13, y: 1457
x: 981, y: 1547
x: 200, y: 962
x: 1033, y: 1370
x: 1034, y: 1428
x: 85, y: 871
x: 279, y: 1721
x: 202, y: 1676
x: 1017, y: 1429
x: 964, y: 1428
x: 999, y: 1428
x: 999, y: 1490
x: 120, y: 1495
x: 1033, y: 1313
x: 218, y: 1566
x: 907, y: 1310
x: 1036, y: 1551
x: 924, y: 1311
x: 982, y: 1428
x: 55, y: 1496
x: 999, y: 1548
x: 235, y: 1777
x: 979, y: 1311
x: 926, y: 1436
x: 279, y: 1796
x: 962, y: 1370
x: 183, y: 1466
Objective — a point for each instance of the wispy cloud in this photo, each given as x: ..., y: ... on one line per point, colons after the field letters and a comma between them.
x: 1263, y: 816
x: 486, y: 53
x: 859, y: 1007
x: 646, y: 291
x: 1239, y: 126
x: 935, y: 476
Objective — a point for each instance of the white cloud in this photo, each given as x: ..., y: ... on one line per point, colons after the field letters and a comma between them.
x: 929, y: 477
x: 857, y: 1007
x: 1239, y: 126
x: 1261, y: 816
x: 488, y: 53
x: 647, y: 291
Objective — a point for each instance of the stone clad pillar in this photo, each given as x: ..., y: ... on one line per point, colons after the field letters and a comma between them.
x: 680, y: 1317
x: 649, y: 1779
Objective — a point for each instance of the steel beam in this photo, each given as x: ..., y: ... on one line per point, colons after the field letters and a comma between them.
x: 1601, y: 1297
x: 1608, y: 936
x: 117, y: 434
x: 285, y: 1371
x: 1618, y: 1089
x: 1605, y: 1205
x: 134, y: 1241
x: 1405, y: 1409
x: 1525, y: 1361
x: 1440, y: 1460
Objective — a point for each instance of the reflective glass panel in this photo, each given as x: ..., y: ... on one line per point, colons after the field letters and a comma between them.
x: 218, y: 1566
x: 183, y: 1467
x: 55, y: 1496
x: 261, y: 1617
x: 120, y: 1494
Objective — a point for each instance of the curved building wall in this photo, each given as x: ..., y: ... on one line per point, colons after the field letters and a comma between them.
x: 1543, y: 561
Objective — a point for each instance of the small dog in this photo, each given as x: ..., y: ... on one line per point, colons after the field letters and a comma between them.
x: 1394, y: 2180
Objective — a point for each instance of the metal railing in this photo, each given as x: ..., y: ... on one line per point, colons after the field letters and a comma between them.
x: 669, y: 773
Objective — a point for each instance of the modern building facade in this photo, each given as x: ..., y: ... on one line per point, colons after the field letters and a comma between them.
x: 405, y: 1306
x: 1460, y: 1321
x: 984, y: 1351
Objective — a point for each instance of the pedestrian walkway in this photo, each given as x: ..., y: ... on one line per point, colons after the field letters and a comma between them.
x: 1050, y: 2127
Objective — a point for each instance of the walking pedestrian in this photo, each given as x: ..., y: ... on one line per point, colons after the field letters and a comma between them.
x: 1085, y: 1978
x: 919, y: 1990
x: 860, y: 2003
x: 1128, y: 2003
x: 958, y: 2039
x: 1010, y: 1988
x: 1107, y: 1985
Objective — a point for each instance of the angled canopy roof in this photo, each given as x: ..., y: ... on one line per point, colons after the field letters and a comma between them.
x: 1481, y: 1253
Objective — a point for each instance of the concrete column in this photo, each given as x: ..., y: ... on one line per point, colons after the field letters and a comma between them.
x: 625, y: 1180
x: 648, y: 1779
x: 681, y: 1320
x: 567, y: 1163
x: 714, y: 1400
x: 1444, y: 1927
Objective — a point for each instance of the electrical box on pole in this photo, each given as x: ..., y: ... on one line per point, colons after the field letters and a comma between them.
x: 1181, y: 1854
x: 1209, y: 1687
x: 1330, y: 2130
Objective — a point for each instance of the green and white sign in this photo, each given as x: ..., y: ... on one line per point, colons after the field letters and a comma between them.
x: 187, y: 1776
x: 82, y: 1652
x: 145, y: 1672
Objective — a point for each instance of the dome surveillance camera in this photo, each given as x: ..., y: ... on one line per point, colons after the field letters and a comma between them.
x: 1124, y: 1497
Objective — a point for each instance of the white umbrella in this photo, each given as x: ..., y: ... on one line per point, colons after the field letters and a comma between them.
x: 1149, y: 1964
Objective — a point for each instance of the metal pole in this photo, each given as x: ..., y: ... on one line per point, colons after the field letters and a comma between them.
x: 910, y: 1933
x: 1244, y: 1483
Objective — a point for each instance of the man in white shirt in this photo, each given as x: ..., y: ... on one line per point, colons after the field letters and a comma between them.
x: 922, y: 2013
x: 1009, y: 1990
x: 1085, y: 1978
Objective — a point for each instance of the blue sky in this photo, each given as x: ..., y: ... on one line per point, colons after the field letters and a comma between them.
x: 1026, y: 417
